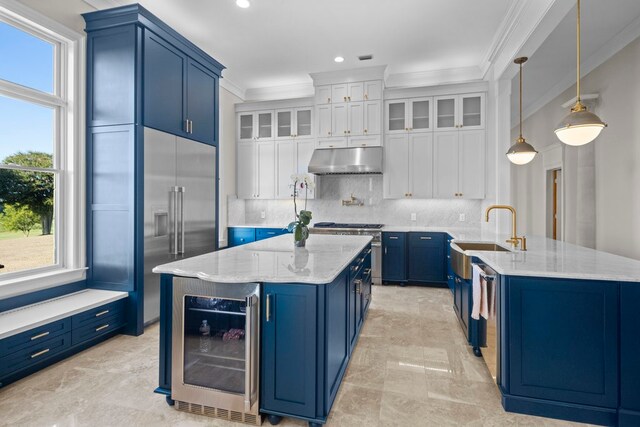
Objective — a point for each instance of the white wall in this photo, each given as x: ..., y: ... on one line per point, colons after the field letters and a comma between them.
x: 602, y: 179
x: 227, y: 154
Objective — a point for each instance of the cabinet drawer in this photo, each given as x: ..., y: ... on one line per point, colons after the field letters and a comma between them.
x: 331, y: 143
x: 34, y: 336
x: 33, y: 354
x: 265, y: 233
x: 240, y: 236
x: 426, y: 238
x: 97, y: 327
x: 365, y: 141
x: 96, y: 314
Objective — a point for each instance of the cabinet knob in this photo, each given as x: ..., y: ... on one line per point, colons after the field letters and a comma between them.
x: 328, y: 133
x: 330, y: 146
x: 348, y: 131
x: 365, y: 131
x: 406, y: 129
x: 349, y: 98
x: 344, y: 98
x: 364, y: 145
x: 328, y: 100
x: 366, y: 96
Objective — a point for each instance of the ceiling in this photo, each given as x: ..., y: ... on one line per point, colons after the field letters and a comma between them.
x: 279, y: 42
x: 551, y: 69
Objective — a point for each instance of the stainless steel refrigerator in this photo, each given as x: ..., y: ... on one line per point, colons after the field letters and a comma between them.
x: 179, y: 206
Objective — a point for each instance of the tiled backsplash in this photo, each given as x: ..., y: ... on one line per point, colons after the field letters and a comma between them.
x: 368, y: 188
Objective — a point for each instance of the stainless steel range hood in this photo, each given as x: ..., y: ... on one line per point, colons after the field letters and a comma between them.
x: 337, y: 161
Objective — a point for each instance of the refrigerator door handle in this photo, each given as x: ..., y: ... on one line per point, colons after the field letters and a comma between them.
x: 173, y: 210
x: 180, y: 239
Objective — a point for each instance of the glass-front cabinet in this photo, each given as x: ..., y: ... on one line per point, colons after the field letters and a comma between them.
x: 294, y: 123
x: 255, y: 125
x: 461, y: 112
x: 409, y: 115
x: 215, y: 344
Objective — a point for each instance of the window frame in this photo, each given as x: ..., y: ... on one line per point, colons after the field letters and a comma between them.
x: 67, y: 100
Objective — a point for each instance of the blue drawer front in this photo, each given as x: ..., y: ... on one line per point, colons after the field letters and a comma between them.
x: 31, y: 355
x: 97, y: 327
x: 241, y: 236
x: 95, y: 314
x: 34, y: 336
x: 265, y: 233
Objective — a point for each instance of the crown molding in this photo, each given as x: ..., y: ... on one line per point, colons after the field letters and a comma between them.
x: 104, y: 4
x: 300, y: 90
x: 630, y: 33
x: 351, y: 75
x: 505, y: 31
x: 233, y: 88
x: 434, y: 78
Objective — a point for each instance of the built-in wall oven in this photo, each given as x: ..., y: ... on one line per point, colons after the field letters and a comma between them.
x: 215, y: 349
x: 373, y: 230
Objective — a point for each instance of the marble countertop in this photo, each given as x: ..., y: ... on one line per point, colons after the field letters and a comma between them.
x: 274, y: 260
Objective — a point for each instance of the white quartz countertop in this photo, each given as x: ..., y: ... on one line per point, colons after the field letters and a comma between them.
x: 274, y: 260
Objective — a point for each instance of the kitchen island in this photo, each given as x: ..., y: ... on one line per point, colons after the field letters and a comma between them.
x: 312, y: 305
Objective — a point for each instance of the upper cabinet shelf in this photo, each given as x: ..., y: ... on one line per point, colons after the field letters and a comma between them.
x: 459, y: 112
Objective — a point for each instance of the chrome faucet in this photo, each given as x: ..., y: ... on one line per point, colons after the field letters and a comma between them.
x: 514, y: 240
x: 353, y: 201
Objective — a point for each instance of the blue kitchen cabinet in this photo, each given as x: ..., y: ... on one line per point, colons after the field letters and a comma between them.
x: 289, y: 349
x: 394, y: 257
x: 629, y: 413
x: 450, y: 273
x: 140, y: 72
x: 266, y: 233
x: 474, y: 329
x: 240, y: 235
x: 426, y: 257
x: 164, y: 76
x: 202, y: 100
x: 563, y: 347
x: 359, y: 294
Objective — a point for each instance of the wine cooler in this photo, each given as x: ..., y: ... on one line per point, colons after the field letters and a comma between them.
x: 215, y: 349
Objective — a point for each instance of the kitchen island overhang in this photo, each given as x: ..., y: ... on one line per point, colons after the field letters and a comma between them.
x: 312, y: 305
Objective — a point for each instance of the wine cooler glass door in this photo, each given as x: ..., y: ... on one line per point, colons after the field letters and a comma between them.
x: 214, y: 343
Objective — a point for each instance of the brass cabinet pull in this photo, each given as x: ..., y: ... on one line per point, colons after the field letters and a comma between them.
x: 102, y: 313
x: 35, y: 337
x: 40, y: 353
x: 98, y: 329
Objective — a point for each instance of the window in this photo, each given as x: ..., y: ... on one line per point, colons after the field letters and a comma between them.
x: 41, y: 238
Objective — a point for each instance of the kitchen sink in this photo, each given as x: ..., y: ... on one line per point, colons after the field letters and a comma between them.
x: 461, y: 263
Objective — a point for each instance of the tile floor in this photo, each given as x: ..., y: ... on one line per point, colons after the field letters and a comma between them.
x: 411, y: 367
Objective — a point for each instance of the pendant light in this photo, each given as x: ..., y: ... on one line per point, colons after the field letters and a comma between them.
x: 521, y: 152
x: 580, y: 126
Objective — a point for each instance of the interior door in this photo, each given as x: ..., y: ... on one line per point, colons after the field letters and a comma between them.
x: 196, y: 173
x: 159, y: 181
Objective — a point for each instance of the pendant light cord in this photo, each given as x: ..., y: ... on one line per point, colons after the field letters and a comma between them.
x: 578, y: 56
x: 521, y: 100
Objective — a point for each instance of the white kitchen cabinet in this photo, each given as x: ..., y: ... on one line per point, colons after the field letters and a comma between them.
x: 303, y: 157
x: 294, y: 123
x: 246, y: 170
x: 373, y: 90
x: 459, y: 165
x: 339, y: 119
x: 256, y: 170
x: 323, y: 117
x: 338, y: 142
x: 408, y: 166
x: 356, y: 92
x: 255, y: 125
x: 323, y: 94
x: 339, y: 93
x: 356, y: 119
x: 372, y: 117
x: 409, y: 115
x: 466, y: 112
x: 286, y: 165
x: 365, y: 141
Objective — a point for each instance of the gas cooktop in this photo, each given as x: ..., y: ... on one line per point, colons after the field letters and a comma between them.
x: 347, y: 225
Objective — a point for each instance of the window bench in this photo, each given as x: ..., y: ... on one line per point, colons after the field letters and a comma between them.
x: 44, y: 333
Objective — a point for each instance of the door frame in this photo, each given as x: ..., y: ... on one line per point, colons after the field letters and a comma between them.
x: 553, y: 159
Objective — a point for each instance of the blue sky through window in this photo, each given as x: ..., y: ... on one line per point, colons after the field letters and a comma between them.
x: 28, y: 61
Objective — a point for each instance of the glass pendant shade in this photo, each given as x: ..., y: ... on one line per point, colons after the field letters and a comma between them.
x: 521, y: 152
x: 579, y: 128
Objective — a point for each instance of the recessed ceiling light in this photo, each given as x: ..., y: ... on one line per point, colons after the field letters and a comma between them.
x: 243, y: 3
x: 337, y: 58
